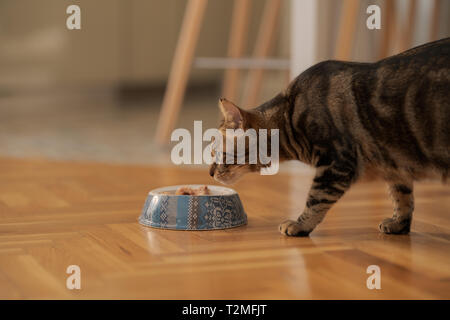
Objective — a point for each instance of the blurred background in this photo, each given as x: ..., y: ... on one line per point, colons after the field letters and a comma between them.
x: 96, y: 93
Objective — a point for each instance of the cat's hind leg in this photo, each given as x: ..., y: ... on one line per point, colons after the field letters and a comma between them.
x: 329, y: 184
x: 403, y: 198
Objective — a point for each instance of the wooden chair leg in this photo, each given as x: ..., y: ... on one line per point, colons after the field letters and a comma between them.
x: 434, y: 32
x: 180, y: 69
x: 347, y: 30
x: 264, y: 42
x: 236, y: 45
x: 388, y: 27
x: 408, y: 31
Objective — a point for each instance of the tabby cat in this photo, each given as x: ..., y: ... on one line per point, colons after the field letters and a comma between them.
x: 390, y: 118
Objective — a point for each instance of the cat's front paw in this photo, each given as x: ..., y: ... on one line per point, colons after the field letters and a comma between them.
x: 293, y: 228
x: 395, y: 226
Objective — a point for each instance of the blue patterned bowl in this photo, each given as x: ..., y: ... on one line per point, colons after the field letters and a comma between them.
x: 219, y: 210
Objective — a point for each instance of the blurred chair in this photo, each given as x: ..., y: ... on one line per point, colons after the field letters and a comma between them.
x: 180, y: 69
x: 184, y: 58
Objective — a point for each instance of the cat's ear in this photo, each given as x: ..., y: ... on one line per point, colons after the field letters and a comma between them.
x: 234, y: 116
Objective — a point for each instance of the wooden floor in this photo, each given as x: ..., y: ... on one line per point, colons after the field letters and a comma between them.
x: 56, y: 214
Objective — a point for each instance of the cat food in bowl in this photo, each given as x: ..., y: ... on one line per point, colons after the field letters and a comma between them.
x: 188, y: 191
x: 193, y: 207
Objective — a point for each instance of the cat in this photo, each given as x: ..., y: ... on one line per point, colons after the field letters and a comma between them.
x: 390, y: 118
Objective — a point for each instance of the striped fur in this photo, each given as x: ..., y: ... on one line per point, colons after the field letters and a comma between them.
x: 390, y: 119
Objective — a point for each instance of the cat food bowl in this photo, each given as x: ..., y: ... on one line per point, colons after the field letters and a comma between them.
x: 221, y: 208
